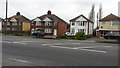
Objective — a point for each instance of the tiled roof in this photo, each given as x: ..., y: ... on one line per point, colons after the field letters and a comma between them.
x: 20, y: 18
x: 110, y: 17
x: 74, y: 19
x: 52, y: 17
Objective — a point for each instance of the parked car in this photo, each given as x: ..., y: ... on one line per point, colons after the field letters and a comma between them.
x: 112, y: 36
x: 69, y: 34
x: 37, y: 34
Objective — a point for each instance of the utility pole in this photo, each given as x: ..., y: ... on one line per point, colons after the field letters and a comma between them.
x: 6, y: 17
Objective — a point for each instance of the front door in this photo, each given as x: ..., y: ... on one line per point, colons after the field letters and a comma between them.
x: 55, y: 32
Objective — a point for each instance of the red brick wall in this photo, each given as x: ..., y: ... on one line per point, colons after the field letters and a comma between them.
x: 97, y: 33
x: 61, y: 28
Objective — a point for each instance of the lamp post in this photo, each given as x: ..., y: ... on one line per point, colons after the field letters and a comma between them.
x: 6, y: 17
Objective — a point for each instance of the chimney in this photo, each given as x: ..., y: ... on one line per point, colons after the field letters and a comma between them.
x: 18, y: 13
x: 49, y: 12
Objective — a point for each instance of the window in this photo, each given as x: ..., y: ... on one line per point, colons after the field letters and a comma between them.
x: 73, y: 23
x: 81, y: 23
x: 82, y: 30
x: 103, y: 23
x: 73, y: 31
x: 8, y: 29
x: 8, y: 23
x: 48, y: 30
x: 115, y: 23
x: 14, y: 29
x: 55, y: 23
x: 48, y: 23
x: 14, y: 23
x: 38, y: 23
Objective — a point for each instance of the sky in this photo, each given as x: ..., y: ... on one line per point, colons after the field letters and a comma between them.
x: 65, y: 9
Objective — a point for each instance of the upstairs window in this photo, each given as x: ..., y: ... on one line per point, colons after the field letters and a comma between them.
x: 47, y: 23
x: 55, y: 23
x: 81, y: 23
x: 73, y: 23
x: 103, y: 23
x: 14, y: 23
x: 8, y: 23
x: 38, y: 23
x: 115, y: 23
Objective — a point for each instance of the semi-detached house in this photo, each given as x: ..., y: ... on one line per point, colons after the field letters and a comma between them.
x: 17, y: 24
x: 49, y: 24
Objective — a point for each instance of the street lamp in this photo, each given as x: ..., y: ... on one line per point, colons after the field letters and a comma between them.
x: 6, y: 17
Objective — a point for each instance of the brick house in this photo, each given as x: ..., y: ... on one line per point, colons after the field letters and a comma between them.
x: 49, y: 24
x: 110, y: 23
x: 17, y: 24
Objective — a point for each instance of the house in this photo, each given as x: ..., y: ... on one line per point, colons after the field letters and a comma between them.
x: 81, y: 24
x: 110, y: 23
x: 17, y: 24
x: 1, y: 20
x: 49, y: 24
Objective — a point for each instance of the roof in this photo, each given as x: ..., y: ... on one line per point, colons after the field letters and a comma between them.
x: 52, y: 17
x: 110, y: 17
x: 74, y: 19
x: 20, y: 18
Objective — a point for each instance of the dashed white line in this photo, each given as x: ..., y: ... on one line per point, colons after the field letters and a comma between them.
x: 19, y: 42
x: 94, y: 50
x: 19, y: 60
x: 80, y: 49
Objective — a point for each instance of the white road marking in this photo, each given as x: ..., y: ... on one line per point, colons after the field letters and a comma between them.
x: 80, y: 49
x: 76, y: 43
x: 19, y: 60
x: 19, y: 42
x: 26, y: 41
x: 94, y: 50
x: 45, y: 44
x: 6, y: 41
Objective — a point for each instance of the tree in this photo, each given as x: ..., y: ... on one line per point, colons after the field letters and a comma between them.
x: 92, y: 14
x: 100, y: 12
x: 68, y: 26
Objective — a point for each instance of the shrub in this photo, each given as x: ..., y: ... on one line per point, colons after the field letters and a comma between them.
x: 18, y: 34
x: 80, y: 36
x: 88, y: 36
x: 63, y: 36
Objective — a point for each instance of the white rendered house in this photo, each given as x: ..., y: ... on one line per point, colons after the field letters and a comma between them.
x: 81, y: 24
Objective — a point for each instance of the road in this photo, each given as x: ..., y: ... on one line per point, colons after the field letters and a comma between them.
x: 26, y: 51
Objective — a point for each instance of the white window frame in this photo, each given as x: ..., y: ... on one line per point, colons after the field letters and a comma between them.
x: 73, y: 31
x: 14, y: 23
x: 48, y: 23
x: 38, y: 23
x: 117, y: 23
x: 8, y: 28
x: 48, y: 30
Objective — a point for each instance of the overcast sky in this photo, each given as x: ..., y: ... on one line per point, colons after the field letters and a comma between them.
x: 65, y: 9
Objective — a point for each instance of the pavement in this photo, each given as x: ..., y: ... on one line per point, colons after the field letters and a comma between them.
x: 24, y: 51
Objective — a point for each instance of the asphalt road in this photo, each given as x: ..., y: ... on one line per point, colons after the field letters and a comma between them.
x: 23, y: 51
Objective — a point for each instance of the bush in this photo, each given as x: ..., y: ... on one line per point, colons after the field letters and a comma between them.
x: 88, y: 36
x: 80, y: 36
x: 64, y: 36
x: 18, y: 34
